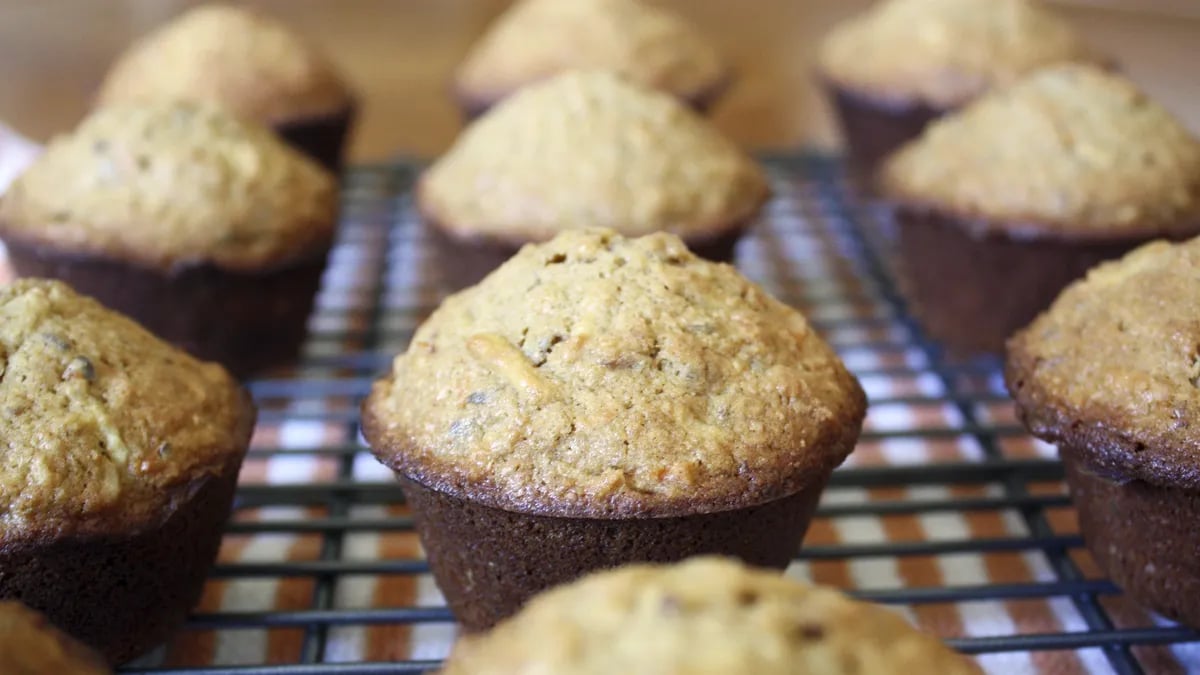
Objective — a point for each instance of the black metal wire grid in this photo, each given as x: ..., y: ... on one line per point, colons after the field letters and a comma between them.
x: 937, y: 458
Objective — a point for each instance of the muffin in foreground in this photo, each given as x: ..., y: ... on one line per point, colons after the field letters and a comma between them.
x: 248, y: 62
x: 200, y: 225
x: 538, y: 39
x: 122, y: 456
x: 1111, y: 373
x: 586, y: 149
x: 903, y: 63
x: 705, y: 615
x: 598, y: 401
x: 29, y: 645
x: 1003, y: 204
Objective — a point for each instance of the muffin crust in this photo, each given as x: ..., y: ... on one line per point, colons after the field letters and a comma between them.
x: 596, y: 376
x: 30, y: 645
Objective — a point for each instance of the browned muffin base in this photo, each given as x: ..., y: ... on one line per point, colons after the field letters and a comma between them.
x: 971, y: 292
x: 1143, y: 536
x: 124, y: 594
x: 323, y: 138
x: 474, y: 106
x: 465, y: 262
x: 488, y: 562
x: 872, y: 129
x: 247, y: 321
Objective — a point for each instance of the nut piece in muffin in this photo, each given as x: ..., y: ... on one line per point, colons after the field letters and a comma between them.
x: 248, y: 62
x: 1007, y: 201
x: 702, y: 616
x: 30, y: 645
x: 1111, y: 373
x: 903, y: 63
x: 598, y: 401
x: 202, y: 226
x: 122, y: 456
x: 537, y: 39
x: 587, y: 149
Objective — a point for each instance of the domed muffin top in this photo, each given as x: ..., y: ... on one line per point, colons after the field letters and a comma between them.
x: 1071, y: 150
x: 245, y: 61
x: 944, y: 53
x: 1113, y: 367
x: 536, y: 39
x: 31, y: 645
x: 597, y: 376
x: 700, y: 617
x: 173, y: 184
x: 588, y: 149
x: 103, y: 422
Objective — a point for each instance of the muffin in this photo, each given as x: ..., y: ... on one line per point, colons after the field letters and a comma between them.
x: 598, y: 401
x: 204, y: 227
x: 903, y: 63
x: 1003, y: 204
x: 1111, y: 373
x: 245, y: 61
x: 29, y: 645
x: 122, y: 456
x: 586, y: 149
x: 537, y: 39
x: 702, y: 616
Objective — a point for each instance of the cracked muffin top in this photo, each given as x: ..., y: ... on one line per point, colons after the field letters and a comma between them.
x: 597, y: 376
x: 173, y: 184
x: 944, y: 53
x: 1071, y: 150
x: 589, y: 149
x: 31, y: 645
x: 247, y: 62
x: 537, y: 39
x: 104, y: 423
x: 1113, y: 367
x: 700, y: 617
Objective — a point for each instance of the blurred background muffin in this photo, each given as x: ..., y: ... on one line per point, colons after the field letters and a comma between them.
x: 244, y: 60
x: 30, y: 645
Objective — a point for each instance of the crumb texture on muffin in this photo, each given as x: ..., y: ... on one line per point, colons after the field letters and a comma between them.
x: 596, y: 376
x: 943, y: 53
x: 30, y: 645
x: 103, y: 422
x: 588, y: 149
x: 536, y: 39
x: 706, y: 615
x: 1071, y: 150
x: 248, y: 62
x: 1113, y: 367
x: 173, y: 184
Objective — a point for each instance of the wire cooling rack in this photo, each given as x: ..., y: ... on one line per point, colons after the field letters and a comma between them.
x: 946, y: 510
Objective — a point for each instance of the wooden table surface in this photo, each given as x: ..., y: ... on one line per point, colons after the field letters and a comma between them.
x: 399, y: 54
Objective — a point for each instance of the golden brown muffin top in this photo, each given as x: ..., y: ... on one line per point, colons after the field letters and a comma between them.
x: 703, y: 616
x: 536, y: 39
x: 173, y: 184
x: 1113, y: 367
x: 1071, y: 150
x: 588, y: 149
x: 30, y: 645
x: 232, y: 56
x: 106, y: 426
x: 944, y: 53
x: 606, y: 377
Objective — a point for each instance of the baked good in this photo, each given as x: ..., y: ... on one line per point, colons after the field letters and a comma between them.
x: 537, y: 39
x: 122, y: 456
x: 1002, y: 204
x: 700, y: 617
x: 203, y: 227
x: 586, y: 149
x: 246, y: 61
x: 29, y: 645
x: 600, y: 400
x: 903, y: 63
x: 1111, y: 373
